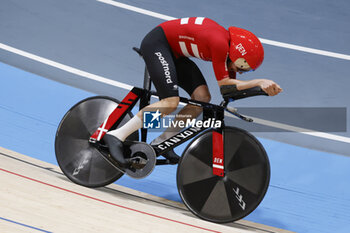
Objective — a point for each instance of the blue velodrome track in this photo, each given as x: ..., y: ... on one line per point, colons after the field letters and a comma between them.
x: 309, y: 189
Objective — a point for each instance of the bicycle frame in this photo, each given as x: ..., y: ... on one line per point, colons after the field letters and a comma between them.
x: 209, y: 111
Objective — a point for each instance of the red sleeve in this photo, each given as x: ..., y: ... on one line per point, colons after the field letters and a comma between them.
x: 219, y: 53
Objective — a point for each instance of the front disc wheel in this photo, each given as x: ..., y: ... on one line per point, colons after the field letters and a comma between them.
x: 239, y: 192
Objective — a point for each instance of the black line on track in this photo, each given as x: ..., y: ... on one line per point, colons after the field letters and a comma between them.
x: 107, y: 188
x: 242, y: 226
x: 32, y: 164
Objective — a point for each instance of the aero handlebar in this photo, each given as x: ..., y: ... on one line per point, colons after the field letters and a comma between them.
x: 230, y: 92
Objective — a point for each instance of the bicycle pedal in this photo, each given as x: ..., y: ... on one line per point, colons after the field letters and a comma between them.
x: 137, y: 162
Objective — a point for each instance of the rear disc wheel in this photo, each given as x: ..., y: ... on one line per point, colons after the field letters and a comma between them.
x: 79, y: 160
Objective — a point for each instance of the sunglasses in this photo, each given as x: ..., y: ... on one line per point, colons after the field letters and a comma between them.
x: 244, y: 70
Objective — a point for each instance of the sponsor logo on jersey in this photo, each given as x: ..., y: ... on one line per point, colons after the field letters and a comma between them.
x: 186, y: 37
x: 165, y: 65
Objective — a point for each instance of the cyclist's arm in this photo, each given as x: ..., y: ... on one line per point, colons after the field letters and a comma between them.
x: 241, y: 85
x: 269, y: 86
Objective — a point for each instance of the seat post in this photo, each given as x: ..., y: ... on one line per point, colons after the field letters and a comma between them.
x: 147, y: 80
x: 145, y: 100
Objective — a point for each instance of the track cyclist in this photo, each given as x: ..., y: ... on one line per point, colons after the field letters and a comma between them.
x: 166, y: 51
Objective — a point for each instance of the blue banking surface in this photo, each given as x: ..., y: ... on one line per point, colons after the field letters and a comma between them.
x: 309, y: 190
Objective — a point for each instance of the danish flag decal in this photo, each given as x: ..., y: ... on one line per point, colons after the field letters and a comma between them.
x: 115, y: 117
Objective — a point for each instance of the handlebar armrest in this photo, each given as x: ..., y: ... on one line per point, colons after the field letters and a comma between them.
x: 231, y: 92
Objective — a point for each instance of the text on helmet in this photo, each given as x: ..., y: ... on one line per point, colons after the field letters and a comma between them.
x: 241, y: 49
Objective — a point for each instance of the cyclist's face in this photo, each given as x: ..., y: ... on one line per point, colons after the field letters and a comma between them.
x: 232, y: 67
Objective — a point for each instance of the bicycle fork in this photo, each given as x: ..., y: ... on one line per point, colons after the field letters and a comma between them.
x: 218, y: 152
x: 218, y: 143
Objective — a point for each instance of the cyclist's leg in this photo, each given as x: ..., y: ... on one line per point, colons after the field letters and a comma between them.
x: 190, y: 78
x: 201, y: 93
x: 192, y: 81
x: 160, y: 63
x: 159, y: 60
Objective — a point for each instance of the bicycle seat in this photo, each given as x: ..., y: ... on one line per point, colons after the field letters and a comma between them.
x: 137, y: 50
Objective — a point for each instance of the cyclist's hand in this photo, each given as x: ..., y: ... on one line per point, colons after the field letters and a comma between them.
x: 270, y: 87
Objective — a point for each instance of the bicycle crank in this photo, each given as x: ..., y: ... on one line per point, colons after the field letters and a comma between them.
x: 142, y: 159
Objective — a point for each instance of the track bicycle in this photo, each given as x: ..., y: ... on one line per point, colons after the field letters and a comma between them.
x: 223, y: 173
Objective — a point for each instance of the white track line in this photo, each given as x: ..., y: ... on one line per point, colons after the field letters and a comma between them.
x: 305, y: 49
x: 65, y: 67
x: 264, y: 41
x: 138, y: 10
x: 97, y: 78
x: 300, y: 130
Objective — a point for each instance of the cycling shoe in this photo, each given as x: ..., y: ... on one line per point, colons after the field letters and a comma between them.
x: 116, y: 150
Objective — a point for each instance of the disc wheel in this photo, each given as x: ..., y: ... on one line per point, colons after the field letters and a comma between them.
x: 239, y: 192
x: 80, y: 161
